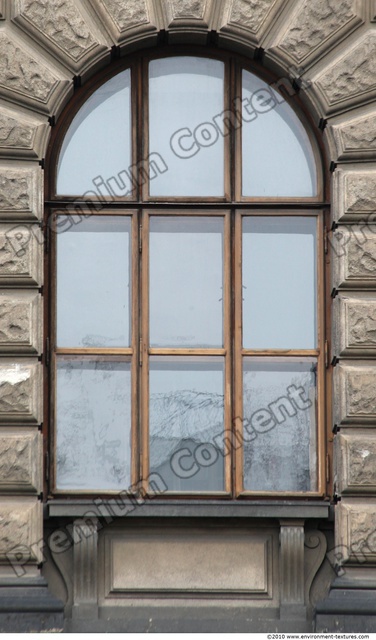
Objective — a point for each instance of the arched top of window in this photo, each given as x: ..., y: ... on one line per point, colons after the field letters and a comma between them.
x: 198, y: 137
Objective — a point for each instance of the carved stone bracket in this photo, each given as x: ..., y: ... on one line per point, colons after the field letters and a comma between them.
x: 292, y: 569
x: 85, y: 563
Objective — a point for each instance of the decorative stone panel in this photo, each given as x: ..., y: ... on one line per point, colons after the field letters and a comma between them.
x: 354, y: 394
x: 354, y: 196
x: 354, y: 325
x: 20, y: 460
x: 191, y: 18
x: 62, y: 28
x: 21, y: 136
x: 21, y: 255
x: 350, y: 80
x: 21, y: 322
x: 354, y: 139
x: 354, y: 256
x: 26, y: 78
x: 20, y: 528
x: 244, y: 22
x: 132, y: 23
x: 20, y: 392
x: 21, y: 191
x: 355, y: 533
x: 313, y: 27
x: 355, y: 462
x: 2, y: 9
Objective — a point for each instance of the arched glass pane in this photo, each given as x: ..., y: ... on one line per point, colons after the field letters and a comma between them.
x: 186, y: 100
x: 278, y: 159
x: 98, y: 142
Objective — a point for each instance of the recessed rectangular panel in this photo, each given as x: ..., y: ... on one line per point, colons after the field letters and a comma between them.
x: 279, y: 424
x: 188, y: 561
x: 93, y: 281
x: 279, y: 282
x: 93, y: 424
x: 186, y: 282
x: 187, y: 422
x: 186, y: 142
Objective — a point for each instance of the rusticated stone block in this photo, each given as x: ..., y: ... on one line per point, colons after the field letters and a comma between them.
x: 20, y: 460
x: 25, y: 77
x: 20, y: 392
x: 356, y: 531
x: 354, y: 196
x: 21, y: 136
x: 21, y: 524
x: 62, y: 28
x: 21, y: 192
x: 128, y: 22
x: 355, y: 138
x: 21, y: 322
x: 354, y: 394
x: 354, y: 256
x: 354, y: 326
x: 355, y: 462
x: 314, y: 26
x: 21, y: 255
x: 351, y: 79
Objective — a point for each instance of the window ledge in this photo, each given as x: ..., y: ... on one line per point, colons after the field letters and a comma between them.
x: 188, y: 509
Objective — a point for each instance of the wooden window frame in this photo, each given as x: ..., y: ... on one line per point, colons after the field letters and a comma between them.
x: 140, y: 207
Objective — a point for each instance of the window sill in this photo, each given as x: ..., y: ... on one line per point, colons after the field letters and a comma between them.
x: 189, y: 509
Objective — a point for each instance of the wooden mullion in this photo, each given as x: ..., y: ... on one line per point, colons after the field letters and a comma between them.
x: 227, y: 342
x: 238, y: 358
x: 144, y: 352
x: 320, y: 418
x: 134, y: 299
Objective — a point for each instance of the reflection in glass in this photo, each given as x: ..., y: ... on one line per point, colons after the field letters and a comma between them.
x: 93, y: 282
x: 279, y: 283
x: 278, y: 159
x: 279, y: 425
x: 186, y: 282
x: 185, y: 94
x: 187, y: 422
x: 93, y: 424
x: 98, y: 142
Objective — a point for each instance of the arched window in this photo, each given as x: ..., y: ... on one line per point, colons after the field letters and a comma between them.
x: 187, y: 324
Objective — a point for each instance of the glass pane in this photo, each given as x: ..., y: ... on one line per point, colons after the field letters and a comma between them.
x: 279, y: 425
x: 279, y: 283
x: 93, y: 282
x: 93, y: 424
x: 278, y: 159
x: 186, y: 282
x: 187, y: 422
x: 98, y: 142
x: 186, y: 98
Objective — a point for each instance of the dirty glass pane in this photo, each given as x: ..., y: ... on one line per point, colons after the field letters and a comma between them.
x: 278, y: 159
x: 279, y: 425
x: 186, y: 100
x: 93, y: 281
x: 187, y: 422
x: 98, y: 142
x: 93, y: 424
x: 186, y: 282
x: 279, y: 282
